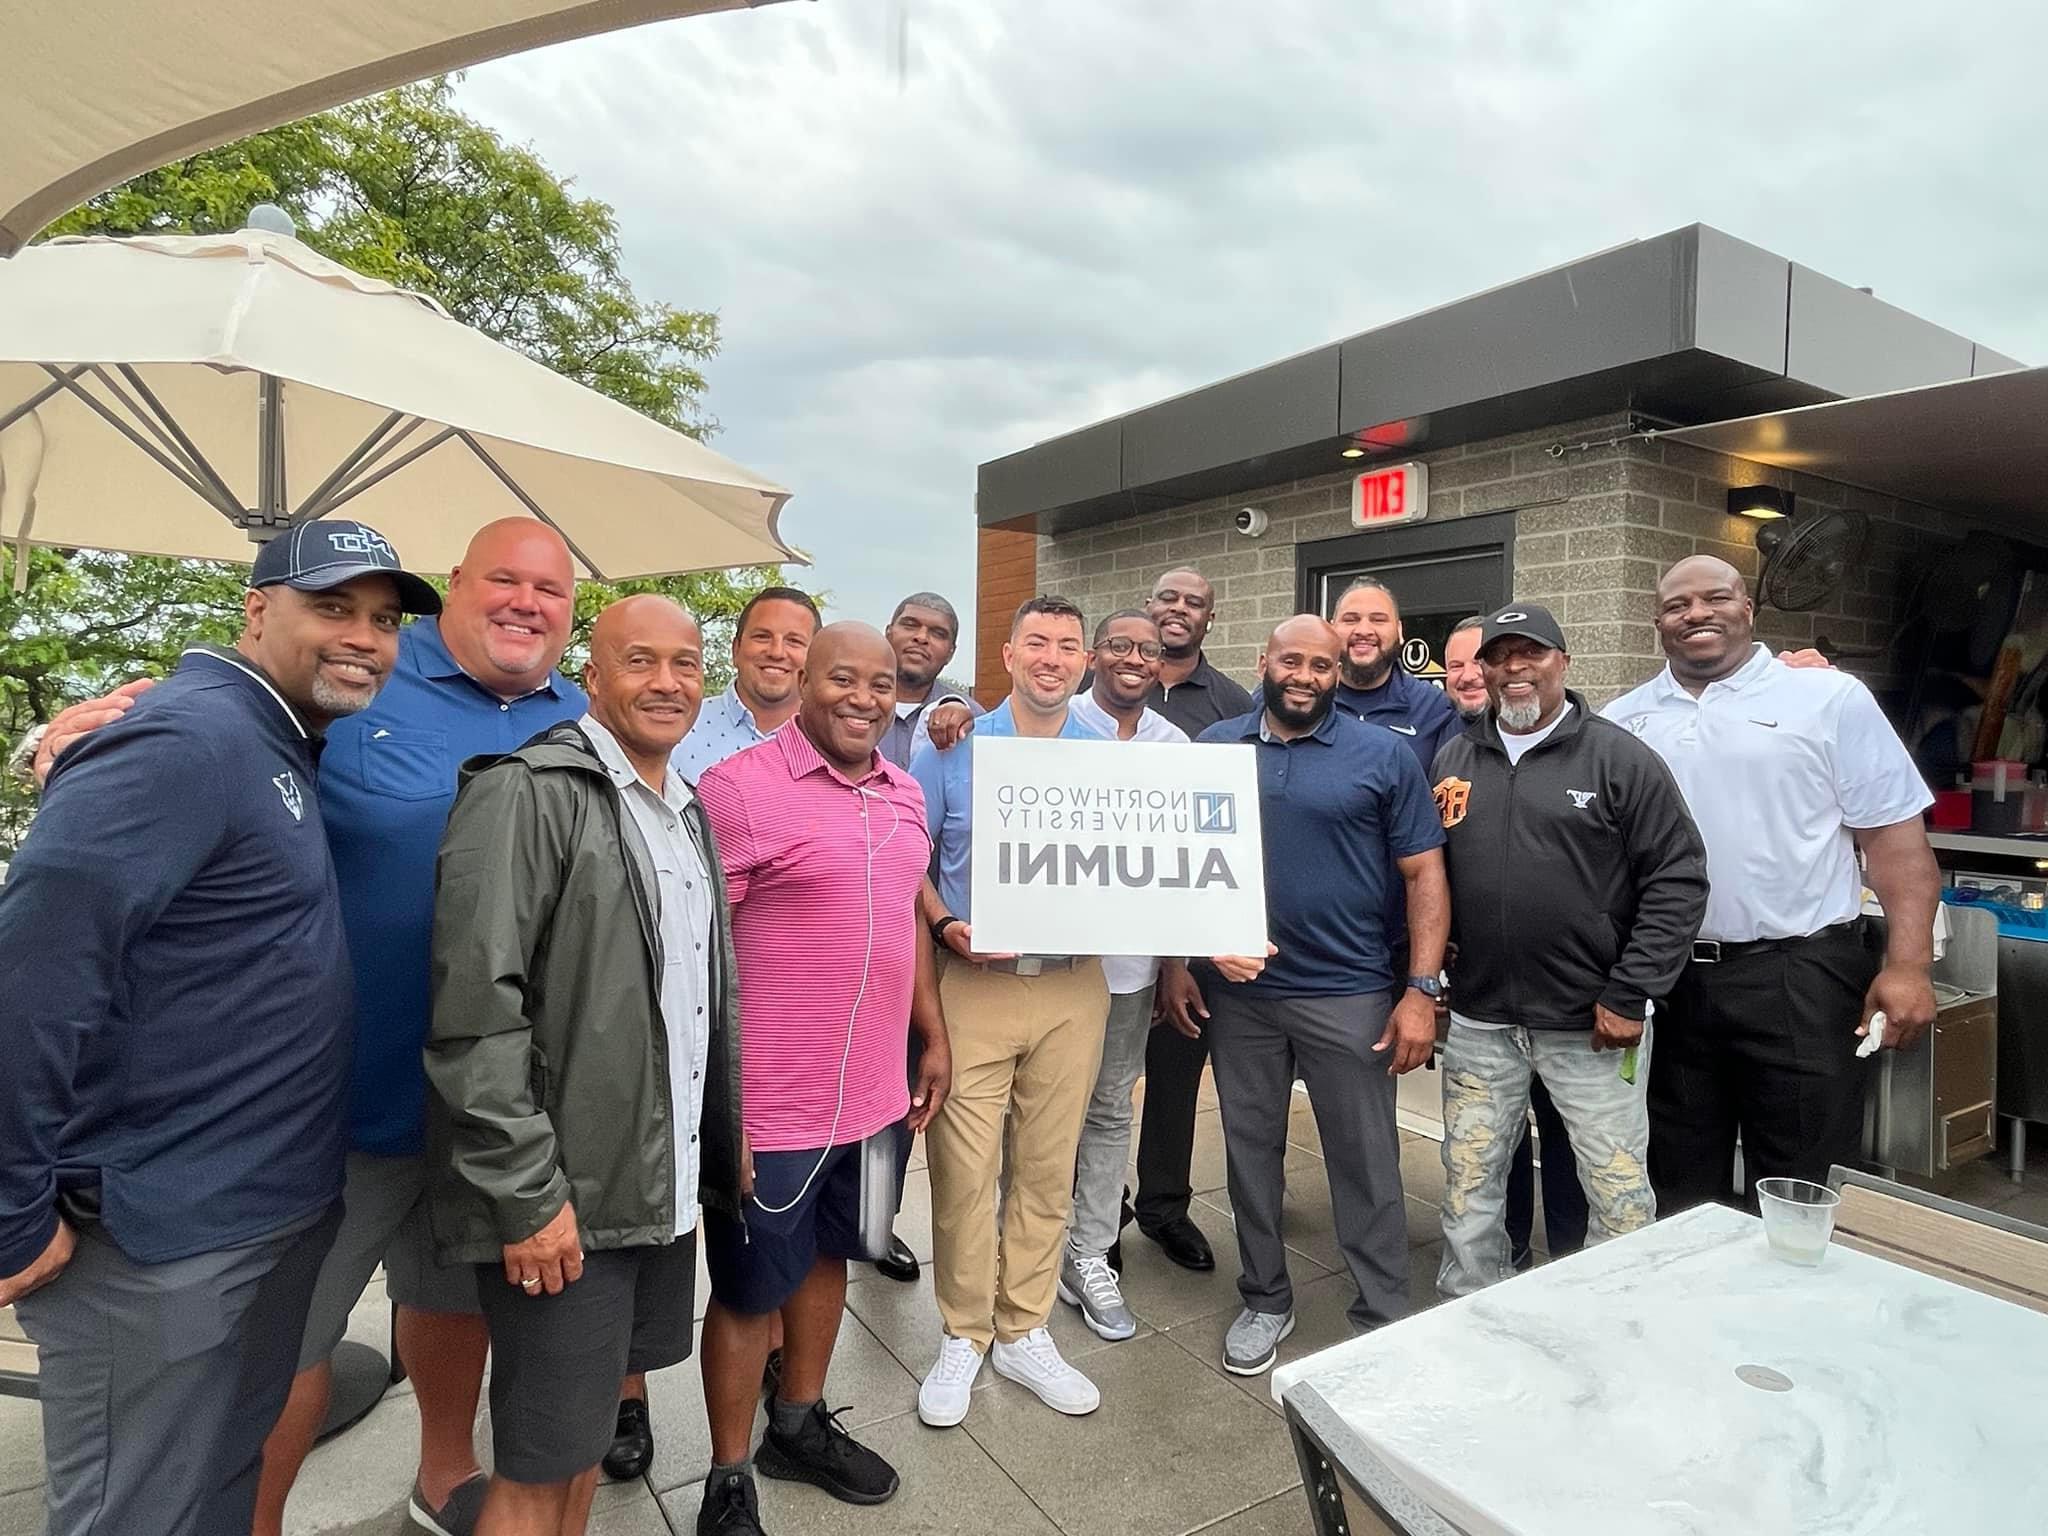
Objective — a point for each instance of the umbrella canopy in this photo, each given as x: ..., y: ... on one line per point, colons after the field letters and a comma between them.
x: 183, y: 394
x: 94, y: 93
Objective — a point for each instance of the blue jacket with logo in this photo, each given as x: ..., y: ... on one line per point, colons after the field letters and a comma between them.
x: 177, y: 1010
x: 1419, y: 713
x: 1577, y: 875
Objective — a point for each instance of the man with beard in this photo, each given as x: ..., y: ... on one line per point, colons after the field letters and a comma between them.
x: 1026, y: 1034
x: 1564, y: 1202
x: 1347, y: 821
x: 1537, y: 796
x: 824, y: 847
x: 177, y: 1023
x: 1789, y: 771
x: 478, y: 678
x: 584, y: 1059
x: 1375, y: 687
x: 768, y: 644
x: 1126, y: 662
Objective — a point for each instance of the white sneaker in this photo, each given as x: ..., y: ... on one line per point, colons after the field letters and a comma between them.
x: 948, y: 1386
x: 1034, y: 1361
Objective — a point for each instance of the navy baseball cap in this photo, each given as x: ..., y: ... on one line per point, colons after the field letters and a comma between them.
x: 1526, y: 620
x: 326, y: 552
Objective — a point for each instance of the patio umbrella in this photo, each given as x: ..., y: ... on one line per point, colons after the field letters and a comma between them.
x: 185, y: 394
x: 93, y: 92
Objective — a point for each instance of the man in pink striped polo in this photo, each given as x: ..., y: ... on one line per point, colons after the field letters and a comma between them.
x: 824, y: 847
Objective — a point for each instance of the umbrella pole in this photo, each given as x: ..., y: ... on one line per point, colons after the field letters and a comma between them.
x: 273, y: 508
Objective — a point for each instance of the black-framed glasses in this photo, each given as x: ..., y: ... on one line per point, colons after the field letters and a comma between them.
x: 1117, y: 647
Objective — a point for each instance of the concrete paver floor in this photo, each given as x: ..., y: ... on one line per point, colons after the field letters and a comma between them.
x: 1179, y: 1446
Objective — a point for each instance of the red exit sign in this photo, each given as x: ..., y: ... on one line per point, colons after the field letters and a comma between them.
x: 1399, y: 493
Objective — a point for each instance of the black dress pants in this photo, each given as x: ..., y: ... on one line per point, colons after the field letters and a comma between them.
x: 1166, y: 1135
x: 1764, y: 1042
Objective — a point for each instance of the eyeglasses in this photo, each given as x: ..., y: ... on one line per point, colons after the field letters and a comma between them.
x: 1118, y: 647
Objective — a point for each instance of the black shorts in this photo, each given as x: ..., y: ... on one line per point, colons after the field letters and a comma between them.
x: 757, y: 1266
x: 557, y: 1362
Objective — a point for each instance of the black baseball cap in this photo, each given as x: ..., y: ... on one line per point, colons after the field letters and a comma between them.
x: 326, y: 552
x: 1523, y: 619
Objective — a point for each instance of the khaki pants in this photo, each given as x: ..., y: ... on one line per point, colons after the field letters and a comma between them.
x: 1025, y: 1054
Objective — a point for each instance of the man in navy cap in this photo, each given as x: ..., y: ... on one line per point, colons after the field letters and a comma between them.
x: 177, y: 1023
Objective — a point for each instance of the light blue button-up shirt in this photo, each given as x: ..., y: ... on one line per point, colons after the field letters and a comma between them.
x: 947, y: 779
x: 724, y: 726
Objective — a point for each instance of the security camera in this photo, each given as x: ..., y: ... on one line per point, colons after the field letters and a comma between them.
x: 1251, y: 522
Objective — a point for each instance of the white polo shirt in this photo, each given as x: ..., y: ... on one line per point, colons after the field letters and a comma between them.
x: 1777, y: 765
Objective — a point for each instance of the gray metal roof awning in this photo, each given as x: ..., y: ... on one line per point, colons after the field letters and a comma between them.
x: 1975, y: 445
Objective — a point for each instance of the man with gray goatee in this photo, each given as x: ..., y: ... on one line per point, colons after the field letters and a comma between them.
x: 1550, y: 810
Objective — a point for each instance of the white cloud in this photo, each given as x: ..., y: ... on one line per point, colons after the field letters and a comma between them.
x: 1060, y: 209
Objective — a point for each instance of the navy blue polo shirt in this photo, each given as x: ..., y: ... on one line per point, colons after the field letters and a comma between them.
x: 176, y: 1012
x: 1419, y: 713
x: 387, y: 782
x: 1336, y: 809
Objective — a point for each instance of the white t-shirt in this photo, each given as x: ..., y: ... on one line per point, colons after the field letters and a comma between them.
x: 1126, y: 973
x: 1517, y: 743
x: 1778, y: 764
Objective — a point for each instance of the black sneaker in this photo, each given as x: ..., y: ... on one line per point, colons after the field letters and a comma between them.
x: 731, y: 1508
x: 824, y: 1454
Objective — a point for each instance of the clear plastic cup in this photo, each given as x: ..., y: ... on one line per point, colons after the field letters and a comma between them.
x: 1799, y: 1218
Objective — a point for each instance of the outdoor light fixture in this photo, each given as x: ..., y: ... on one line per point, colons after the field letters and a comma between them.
x: 1354, y: 452
x: 1762, y: 502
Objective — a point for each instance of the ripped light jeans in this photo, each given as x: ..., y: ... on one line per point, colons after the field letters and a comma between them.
x: 1486, y: 1076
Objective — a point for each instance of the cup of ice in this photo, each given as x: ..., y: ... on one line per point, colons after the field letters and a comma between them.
x: 1799, y: 1218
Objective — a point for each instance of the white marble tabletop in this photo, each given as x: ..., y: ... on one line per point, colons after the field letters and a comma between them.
x: 1610, y: 1394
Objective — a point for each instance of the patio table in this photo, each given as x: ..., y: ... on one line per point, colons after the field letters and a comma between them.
x: 1683, y: 1381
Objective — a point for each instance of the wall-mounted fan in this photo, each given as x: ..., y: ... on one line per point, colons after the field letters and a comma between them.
x: 1806, y: 556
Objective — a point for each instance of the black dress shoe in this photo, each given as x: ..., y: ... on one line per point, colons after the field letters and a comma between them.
x: 632, y: 1451
x: 1183, y: 1242
x: 899, y: 1263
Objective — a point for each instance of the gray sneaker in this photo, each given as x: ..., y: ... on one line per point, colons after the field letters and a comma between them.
x: 1253, y: 1341
x: 1090, y: 1284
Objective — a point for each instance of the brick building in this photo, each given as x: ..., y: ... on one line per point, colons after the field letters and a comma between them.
x: 1538, y: 409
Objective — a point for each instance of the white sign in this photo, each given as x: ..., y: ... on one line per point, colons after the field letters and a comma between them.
x: 1117, y: 848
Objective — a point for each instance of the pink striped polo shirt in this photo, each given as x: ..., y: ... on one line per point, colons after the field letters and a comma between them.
x: 797, y: 841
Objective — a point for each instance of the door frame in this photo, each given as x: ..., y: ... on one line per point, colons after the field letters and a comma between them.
x: 1454, y: 536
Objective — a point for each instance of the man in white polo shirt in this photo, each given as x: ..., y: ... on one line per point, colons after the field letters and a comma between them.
x: 1788, y: 772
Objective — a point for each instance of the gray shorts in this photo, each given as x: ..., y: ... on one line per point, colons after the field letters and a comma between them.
x: 384, y: 1221
x: 557, y: 1362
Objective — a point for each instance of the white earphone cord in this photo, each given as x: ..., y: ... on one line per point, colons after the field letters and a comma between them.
x: 860, y: 993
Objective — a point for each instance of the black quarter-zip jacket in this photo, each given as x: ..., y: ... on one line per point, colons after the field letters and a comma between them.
x: 1577, y: 875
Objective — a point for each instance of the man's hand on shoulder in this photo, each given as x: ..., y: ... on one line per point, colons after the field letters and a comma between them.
x: 948, y: 722
x: 76, y: 721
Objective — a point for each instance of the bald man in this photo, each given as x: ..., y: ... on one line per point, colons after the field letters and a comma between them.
x: 824, y: 847
x: 583, y: 1059
x: 481, y: 678
x: 1789, y: 772
x: 1348, y: 825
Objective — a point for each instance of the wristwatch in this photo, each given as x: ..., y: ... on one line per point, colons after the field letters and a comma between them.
x: 1428, y: 986
x: 21, y: 762
x: 939, y: 928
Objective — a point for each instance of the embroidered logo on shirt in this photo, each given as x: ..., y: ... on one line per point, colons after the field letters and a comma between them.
x: 1769, y: 725
x: 1405, y: 730
x: 1215, y: 811
x: 1581, y: 798
x: 1639, y: 723
x: 288, y: 791
x: 1453, y: 800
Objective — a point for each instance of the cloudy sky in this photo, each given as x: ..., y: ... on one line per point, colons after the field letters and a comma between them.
x: 939, y: 230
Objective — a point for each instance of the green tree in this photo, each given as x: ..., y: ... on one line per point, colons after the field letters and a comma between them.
x: 407, y: 188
